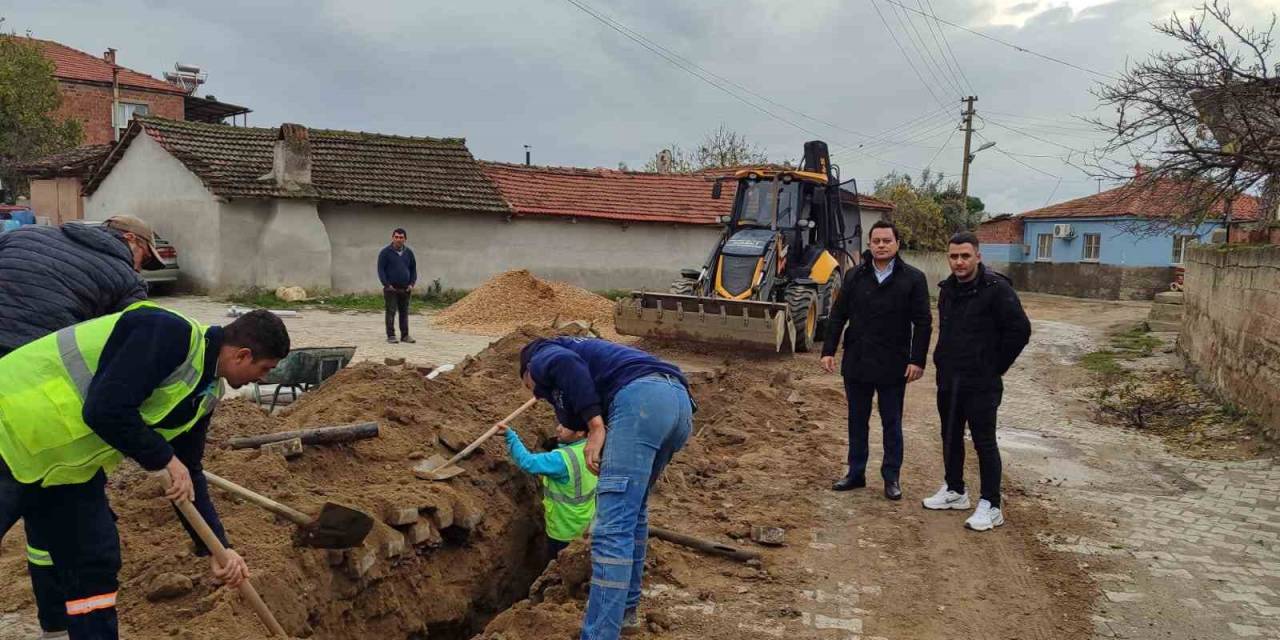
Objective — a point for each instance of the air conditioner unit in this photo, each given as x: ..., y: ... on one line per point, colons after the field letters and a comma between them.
x: 1063, y: 231
x: 1219, y: 236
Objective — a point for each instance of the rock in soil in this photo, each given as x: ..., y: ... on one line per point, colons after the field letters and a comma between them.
x: 169, y: 585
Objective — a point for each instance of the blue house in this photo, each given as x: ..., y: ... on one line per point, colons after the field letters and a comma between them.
x: 1117, y: 244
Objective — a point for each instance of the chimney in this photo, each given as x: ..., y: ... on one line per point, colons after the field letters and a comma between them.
x: 291, y: 166
x: 109, y: 56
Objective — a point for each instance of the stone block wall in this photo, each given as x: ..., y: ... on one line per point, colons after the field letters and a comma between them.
x: 1231, y: 327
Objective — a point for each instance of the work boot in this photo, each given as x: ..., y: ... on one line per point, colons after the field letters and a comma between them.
x: 392, y: 340
x: 407, y: 339
x: 848, y: 483
x: 985, y: 517
x: 947, y: 499
x: 630, y: 623
x: 892, y: 490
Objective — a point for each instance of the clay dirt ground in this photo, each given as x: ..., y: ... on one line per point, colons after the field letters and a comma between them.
x: 770, y: 440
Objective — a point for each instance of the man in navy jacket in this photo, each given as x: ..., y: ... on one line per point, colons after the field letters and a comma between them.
x: 649, y: 417
x: 398, y: 273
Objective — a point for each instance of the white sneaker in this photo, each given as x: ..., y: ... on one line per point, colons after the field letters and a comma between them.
x: 947, y: 499
x: 985, y: 517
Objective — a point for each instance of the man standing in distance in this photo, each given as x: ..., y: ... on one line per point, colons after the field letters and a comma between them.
x: 398, y: 273
x: 885, y: 303
x: 982, y: 329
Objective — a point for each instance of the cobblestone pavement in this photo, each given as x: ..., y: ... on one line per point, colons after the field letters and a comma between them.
x: 1188, y: 549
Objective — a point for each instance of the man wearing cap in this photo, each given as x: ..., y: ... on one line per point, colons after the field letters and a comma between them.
x: 52, y: 278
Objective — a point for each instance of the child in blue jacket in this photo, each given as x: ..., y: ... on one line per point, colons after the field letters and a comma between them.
x: 568, y: 486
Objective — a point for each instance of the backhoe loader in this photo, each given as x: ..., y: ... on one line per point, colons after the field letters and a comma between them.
x: 771, y: 278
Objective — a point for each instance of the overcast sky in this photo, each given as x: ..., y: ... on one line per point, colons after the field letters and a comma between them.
x: 506, y: 73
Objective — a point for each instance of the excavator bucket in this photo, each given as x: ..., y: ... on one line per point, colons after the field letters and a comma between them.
x: 738, y: 323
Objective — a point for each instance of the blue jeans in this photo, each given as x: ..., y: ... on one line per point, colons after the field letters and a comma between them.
x: 649, y: 420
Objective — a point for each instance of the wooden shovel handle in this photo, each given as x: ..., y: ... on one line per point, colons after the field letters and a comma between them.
x: 289, y: 513
x: 210, y: 540
x: 489, y: 434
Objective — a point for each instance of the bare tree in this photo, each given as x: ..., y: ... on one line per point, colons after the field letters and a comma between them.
x: 720, y: 148
x: 1203, y: 121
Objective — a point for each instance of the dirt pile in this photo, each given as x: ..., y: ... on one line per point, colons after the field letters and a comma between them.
x: 516, y: 298
x: 478, y: 535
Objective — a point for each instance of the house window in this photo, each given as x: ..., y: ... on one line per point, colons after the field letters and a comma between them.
x: 126, y: 111
x: 1180, y: 244
x: 1092, y: 247
x: 1044, y: 246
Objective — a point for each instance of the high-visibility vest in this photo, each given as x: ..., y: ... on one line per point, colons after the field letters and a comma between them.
x: 571, y: 504
x: 43, y: 384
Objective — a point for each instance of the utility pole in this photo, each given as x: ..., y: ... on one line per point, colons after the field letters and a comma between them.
x: 967, y: 114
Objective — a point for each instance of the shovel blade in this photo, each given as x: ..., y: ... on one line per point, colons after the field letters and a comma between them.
x: 337, y: 527
x: 434, y: 468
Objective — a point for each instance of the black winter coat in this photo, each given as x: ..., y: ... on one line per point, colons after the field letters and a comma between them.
x: 54, y: 277
x: 888, y: 323
x: 982, y: 329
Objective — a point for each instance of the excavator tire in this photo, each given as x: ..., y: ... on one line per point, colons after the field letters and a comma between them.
x: 803, y: 304
x: 827, y: 295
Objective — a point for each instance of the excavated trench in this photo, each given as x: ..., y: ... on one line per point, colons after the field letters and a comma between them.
x: 443, y: 559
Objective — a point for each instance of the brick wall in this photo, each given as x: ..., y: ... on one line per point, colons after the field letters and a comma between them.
x: 1231, y: 327
x: 1254, y: 234
x: 1007, y: 231
x: 91, y: 105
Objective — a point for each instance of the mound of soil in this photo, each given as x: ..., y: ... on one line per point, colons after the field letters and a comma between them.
x: 515, y: 298
x: 483, y: 548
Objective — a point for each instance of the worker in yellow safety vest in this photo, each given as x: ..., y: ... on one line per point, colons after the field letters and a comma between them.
x: 568, y: 486
x: 142, y: 384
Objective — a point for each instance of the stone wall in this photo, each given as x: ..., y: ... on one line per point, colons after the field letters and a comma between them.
x: 1231, y: 327
x: 1088, y: 280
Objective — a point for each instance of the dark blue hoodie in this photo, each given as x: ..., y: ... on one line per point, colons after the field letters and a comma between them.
x: 580, y: 376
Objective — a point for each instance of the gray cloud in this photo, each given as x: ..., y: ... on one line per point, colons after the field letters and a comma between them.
x: 541, y: 72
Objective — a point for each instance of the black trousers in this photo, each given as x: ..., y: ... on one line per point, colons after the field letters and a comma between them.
x: 976, y: 407
x: 891, y: 398
x: 76, y: 524
x: 396, y: 301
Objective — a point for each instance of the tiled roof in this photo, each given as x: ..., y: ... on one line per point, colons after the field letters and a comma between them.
x: 75, y: 65
x: 346, y: 166
x: 632, y: 196
x: 77, y: 161
x: 1154, y: 199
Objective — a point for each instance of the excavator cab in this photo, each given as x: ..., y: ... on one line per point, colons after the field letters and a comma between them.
x: 772, y: 277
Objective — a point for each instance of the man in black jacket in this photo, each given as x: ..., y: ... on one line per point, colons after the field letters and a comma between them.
x: 885, y: 302
x: 982, y: 329
x: 54, y: 277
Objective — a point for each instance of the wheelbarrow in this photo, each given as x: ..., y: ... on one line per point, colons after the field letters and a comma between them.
x: 304, y: 369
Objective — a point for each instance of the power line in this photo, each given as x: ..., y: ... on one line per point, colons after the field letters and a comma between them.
x: 946, y: 64
x: 944, y: 146
x: 893, y: 35
x: 1033, y: 136
x: 923, y: 52
x: 946, y: 42
x: 1007, y: 44
x: 719, y: 82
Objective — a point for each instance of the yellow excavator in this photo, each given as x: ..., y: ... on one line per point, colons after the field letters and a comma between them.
x: 773, y: 275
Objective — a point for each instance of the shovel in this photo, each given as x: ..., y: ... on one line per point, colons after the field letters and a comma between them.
x: 437, y: 468
x: 337, y: 527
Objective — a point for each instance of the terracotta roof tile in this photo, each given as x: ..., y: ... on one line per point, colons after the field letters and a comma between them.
x: 1155, y: 199
x: 346, y: 166
x: 75, y: 65
x: 609, y: 194
x: 77, y: 161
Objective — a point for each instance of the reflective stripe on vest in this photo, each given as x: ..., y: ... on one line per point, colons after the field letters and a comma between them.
x: 570, y: 504
x: 39, y: 557
x: 43, y: 386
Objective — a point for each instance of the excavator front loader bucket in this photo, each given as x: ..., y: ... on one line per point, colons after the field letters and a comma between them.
x: 741, y: 323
